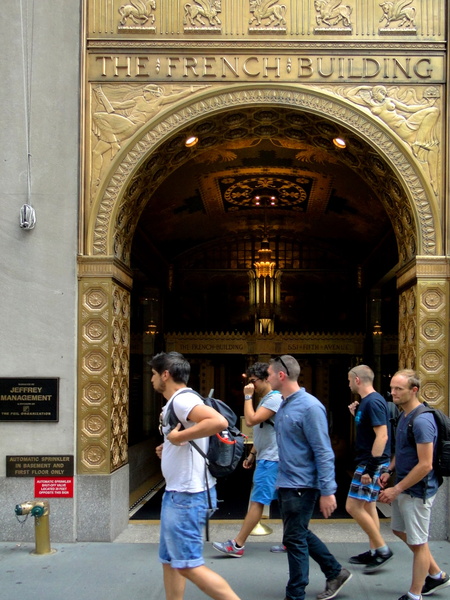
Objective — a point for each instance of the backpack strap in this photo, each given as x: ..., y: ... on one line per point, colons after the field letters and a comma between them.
x: 423, y: 408
x: 173, y: 419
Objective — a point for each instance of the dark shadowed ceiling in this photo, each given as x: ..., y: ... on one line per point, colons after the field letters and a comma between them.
x: 320, y: 209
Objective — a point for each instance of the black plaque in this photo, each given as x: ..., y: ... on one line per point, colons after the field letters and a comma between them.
x: 28, y: 399
x: 39, y: 466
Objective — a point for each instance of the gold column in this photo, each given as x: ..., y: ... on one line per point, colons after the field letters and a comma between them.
x: 103, y: 372
x: 423, y: 332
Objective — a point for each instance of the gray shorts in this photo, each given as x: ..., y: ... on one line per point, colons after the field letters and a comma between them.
x: 412, y: 516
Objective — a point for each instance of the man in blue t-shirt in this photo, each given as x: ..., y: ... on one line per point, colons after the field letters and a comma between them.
x: 373, y: 452
x: 263, y: 454
x: 416, y: 485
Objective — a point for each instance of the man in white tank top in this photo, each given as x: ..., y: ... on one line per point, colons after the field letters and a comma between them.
x: 185, y: 502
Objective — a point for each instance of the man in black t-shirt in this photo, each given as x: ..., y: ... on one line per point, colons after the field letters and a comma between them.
x: 373, y: 455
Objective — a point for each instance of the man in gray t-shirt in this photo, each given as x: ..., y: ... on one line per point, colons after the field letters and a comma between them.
x: 264, y: 453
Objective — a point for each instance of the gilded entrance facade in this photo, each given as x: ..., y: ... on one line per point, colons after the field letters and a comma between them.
x: 156, y: 71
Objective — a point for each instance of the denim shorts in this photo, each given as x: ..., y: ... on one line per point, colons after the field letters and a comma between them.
x: 183, y: 517
x: 366, y: 492
x: 264, y: 479
x: 411, y: 515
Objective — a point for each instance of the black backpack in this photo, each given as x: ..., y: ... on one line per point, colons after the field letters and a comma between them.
x: 394, y: 414
x: 225, y: 448
x: 441, y: 463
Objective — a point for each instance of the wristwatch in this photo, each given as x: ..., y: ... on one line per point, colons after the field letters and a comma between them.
x: 248, y: 397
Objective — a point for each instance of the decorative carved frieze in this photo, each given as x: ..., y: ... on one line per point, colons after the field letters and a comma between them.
x: 240, y: 19
x: 407, y: 351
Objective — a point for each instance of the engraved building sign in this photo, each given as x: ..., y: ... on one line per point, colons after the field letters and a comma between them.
x: 28, y: 399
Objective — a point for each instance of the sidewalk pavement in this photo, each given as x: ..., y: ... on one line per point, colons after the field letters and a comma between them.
x: 129, y: 567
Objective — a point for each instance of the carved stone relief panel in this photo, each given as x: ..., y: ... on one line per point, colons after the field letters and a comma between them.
x: 118, y: 112
x: 202, y: 16
x: 413, y: 114
x: 267, y: 16
x: 399, y: 16
x: 333, y: 16
x: 137, y: 15
x: 103, y: 376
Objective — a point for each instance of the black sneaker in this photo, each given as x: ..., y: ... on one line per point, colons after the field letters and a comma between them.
x: 378, y: 560
x: 333, y: 586
x: 361, y: 559
x: 431, y: 585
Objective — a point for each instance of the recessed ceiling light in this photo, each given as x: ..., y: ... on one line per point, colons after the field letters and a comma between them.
x: 191, y: 141
x: 339, y: 142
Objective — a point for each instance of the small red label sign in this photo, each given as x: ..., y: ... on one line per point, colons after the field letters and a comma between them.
x: 53, y: 487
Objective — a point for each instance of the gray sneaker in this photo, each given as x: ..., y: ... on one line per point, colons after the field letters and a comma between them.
x: 278, y: 548
x: 333, y: 586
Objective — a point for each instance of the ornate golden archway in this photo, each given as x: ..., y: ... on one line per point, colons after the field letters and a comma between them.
x: 109, y: 225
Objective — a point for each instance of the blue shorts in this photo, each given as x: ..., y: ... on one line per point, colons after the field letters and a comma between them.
x: 264, y: 478
x: 369, y: 492
x: 183, y: 517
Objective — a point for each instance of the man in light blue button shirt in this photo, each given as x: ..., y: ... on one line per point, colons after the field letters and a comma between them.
x: 305, y: 474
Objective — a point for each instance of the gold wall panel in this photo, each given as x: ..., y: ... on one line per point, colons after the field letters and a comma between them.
x: 103, y: 385
x: 424, y: 327
x: 432, y: 341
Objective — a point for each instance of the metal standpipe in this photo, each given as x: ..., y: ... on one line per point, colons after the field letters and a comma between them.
x: 40, y: 510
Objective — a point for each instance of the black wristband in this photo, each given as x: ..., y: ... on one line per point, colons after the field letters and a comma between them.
x: 386, y: 470
x: 371, y: 466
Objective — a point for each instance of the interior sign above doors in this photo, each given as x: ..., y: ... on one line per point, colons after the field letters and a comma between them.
x: 29, y: 399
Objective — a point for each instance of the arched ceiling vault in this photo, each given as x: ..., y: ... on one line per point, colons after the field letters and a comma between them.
x: 183, y: 198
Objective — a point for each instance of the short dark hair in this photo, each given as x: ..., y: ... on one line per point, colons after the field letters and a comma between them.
x: 174, y: 362
x: 286, y: 363
x: 258, y: 370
